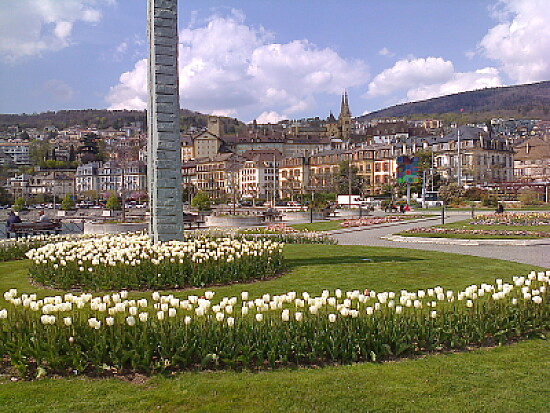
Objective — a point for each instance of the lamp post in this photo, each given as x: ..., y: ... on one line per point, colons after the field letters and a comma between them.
x: 349, y: 179
x: 459, y: 180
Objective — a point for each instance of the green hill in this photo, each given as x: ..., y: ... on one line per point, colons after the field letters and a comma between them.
x: 531, y: 101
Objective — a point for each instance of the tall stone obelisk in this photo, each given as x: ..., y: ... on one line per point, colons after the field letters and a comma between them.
x: 163, y: 114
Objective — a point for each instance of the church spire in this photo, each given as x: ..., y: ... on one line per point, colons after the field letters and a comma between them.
x: 344, y: 120
x: 344, y: 107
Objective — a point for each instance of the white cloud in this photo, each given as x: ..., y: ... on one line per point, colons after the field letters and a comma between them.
x: 409, y: 73
x: 420, y: 79
x: 224, y: 112
x: 269, y: 117
x: 385, y: 52
x: 226, y: 65
x: 32, y: 27
x: 459, y: 82
x: 58, y: 90
x: 521, y: 40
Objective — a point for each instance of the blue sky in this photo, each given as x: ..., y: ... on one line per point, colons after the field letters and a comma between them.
x: 270, y: 59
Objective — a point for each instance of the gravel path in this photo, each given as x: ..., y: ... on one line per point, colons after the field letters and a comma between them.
x: 538, y: 255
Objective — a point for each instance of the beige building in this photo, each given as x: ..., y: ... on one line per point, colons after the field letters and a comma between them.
x: 206, y: 145
x: 187, y: 148
x: 532, y: 160
x: 294, y: 175
x: 483, y: 158
x: 259, y: 174
x: 324, y: 168
x: 213, y: 175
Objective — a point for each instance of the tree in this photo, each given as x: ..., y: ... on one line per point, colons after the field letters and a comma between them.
x: 343, y: 177
x: 39, y: 151
x: 89, y: 148
x: 19, y: 204
x: 451, y: 194
x: 5, y: 197
x: 201, y: 201
x: 529, y: 197
x: 72, y: 154
x: 113, y: 203
x: 425, y: 159
x: 68, y: 203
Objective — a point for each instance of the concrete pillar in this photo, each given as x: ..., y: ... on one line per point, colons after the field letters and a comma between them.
x: 163, y: 145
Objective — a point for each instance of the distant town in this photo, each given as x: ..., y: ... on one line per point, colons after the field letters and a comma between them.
x: 297, y: 161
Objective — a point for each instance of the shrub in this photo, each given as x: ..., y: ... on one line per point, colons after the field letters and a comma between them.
x: 67, y: 204
x: 528, y: 197
x: 451, y: 194
x: 201, y: 201
x: 19, y: 204
x: 488, y: 200
x: 113, y: 203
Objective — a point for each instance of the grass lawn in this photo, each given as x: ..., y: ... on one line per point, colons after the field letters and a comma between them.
x: 506, y: 379
x: 542, y: 208
x: 465, y: 224
x: 333, y: 225
x: 319, y: 226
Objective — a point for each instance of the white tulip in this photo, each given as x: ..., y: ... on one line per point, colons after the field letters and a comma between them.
x: 537, y: 299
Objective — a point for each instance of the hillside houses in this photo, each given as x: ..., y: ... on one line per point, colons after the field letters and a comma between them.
x: 228, y: 160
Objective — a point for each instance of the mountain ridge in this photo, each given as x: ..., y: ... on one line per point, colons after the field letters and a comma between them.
x: 525, y: 101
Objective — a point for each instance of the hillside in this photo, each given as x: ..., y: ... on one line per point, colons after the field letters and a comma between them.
x: 530, y: 101
x: 100, y: 118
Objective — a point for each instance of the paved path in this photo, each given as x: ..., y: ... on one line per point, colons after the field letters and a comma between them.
x: 538, y: 255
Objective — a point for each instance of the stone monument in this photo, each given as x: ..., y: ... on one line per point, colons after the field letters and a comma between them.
x: 163, y: 114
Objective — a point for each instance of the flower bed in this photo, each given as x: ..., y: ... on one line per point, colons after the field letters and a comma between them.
x: 366, y: 221
x: 516, y: 219
x: 133, y: 262
x: 15, y: 249
x: 287, y: 235
x: 496, y: 232
x: 82, y: 333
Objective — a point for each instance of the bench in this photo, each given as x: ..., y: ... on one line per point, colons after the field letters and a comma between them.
x: 191, y: 221
x: 34, y: 228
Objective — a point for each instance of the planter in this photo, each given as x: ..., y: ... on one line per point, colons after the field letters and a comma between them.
x: 302, y: 216
x: 113, y: 228
x: 230, y: 221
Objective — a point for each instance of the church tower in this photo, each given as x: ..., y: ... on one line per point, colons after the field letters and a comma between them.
x: 344, y: 120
